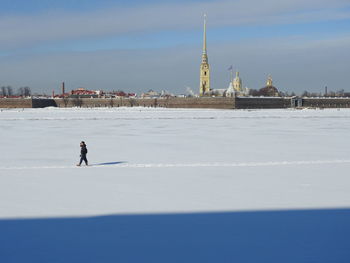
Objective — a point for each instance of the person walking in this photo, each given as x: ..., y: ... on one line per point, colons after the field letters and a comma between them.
x: 83, y: 152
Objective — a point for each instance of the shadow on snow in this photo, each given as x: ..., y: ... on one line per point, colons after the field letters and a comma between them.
x: 108, y: 163
x: 268, y: 236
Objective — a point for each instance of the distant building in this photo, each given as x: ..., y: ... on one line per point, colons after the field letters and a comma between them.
x: 236, y: 88
x: 217, y: 92
x: 166, y: 94
x: 204, y: 86
x: 83, y: 93
x: 230, y: 92
x: 150, y: 94
x: 269, y: 90
x: 120, y: 94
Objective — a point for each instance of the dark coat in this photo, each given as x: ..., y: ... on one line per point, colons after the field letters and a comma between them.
x: 83, y: 150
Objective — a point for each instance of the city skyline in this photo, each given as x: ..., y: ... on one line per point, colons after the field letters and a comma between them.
x: 135, y: 47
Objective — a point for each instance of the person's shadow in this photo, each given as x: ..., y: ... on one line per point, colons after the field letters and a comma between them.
x: 108, y: 163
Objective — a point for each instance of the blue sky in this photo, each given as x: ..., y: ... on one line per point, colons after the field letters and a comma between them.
x: 40, y: 6
x: 278, y: 37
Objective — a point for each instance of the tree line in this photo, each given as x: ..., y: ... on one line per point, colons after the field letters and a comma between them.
x: 8, y: 91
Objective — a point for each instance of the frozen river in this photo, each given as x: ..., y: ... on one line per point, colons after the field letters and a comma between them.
x: 282, y: 172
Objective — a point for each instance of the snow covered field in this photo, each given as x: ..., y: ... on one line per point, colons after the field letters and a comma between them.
x: 176, y: 185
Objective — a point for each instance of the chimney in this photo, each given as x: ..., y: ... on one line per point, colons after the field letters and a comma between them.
x: 63, y: 91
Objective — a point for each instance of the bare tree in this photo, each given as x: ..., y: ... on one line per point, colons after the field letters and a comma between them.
x: 20, y: 91
x: 9, y: 91
x: 3, y: 91
x: 27, y: 92
x: 23, y: 92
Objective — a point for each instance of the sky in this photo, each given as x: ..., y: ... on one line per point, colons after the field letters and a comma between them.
x: 140, y: 45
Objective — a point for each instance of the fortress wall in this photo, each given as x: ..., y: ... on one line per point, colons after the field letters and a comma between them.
x: 43, y: 103
x: 204, y: 102
x: 89, y: 103
x: 15, y: 103
x: 26, y: 103
x: 97, y: 102
x: 209, y: 103
x: 326, y: 102
x: 262, y: 103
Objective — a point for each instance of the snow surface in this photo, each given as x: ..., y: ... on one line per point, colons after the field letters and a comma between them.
x: 175, y: 171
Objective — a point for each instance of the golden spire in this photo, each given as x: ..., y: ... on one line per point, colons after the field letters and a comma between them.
x: 205, y: 35
x: 205, y: 56
x: 204, y: 86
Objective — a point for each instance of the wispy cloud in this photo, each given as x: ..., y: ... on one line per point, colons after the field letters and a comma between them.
x: 26, y: 30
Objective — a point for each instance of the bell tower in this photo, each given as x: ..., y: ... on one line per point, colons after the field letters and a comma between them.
x: 204, y: 82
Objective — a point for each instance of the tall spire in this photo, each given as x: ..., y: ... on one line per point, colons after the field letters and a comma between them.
x: 205, y: 35
x: 204, y: 86
x: 205, y: 56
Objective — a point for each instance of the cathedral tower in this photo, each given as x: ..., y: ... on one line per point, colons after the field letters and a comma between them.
x: 204, y: 86
x: 237, y: 83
